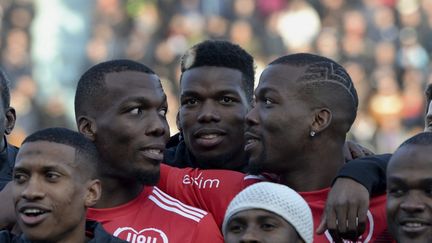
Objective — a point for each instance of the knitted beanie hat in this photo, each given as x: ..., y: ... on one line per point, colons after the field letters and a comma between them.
x: 277, y: 199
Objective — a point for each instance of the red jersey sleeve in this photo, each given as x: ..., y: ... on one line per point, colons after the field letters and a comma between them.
x: 210, y: 190
x: 208, y: 231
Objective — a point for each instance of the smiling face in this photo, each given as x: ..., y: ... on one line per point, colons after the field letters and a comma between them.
x: 213, y: 107
x: 131, y: 130
x: 278, y: 125
x: 49, y: 192
x: 409, y: 194
x: 256, y: 225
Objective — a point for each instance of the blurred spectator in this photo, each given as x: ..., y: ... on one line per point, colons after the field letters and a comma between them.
x: 44, y: 44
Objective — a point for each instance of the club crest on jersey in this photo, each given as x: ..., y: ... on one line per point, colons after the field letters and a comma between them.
x: 200, y: 181
x: 148, y: 235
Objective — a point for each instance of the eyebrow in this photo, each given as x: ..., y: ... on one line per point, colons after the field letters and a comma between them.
x: 141, y: 99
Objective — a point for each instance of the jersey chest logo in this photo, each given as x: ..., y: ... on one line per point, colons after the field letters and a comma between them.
x: 148, y: 235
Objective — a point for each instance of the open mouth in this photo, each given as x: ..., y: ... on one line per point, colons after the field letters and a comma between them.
x: 153, y: 153
x: 33, y: 216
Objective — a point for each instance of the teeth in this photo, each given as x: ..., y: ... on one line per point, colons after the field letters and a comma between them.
x: 154, y: 151
x: 413, y: 224
x: 33, y: 211
x: 209, y: 136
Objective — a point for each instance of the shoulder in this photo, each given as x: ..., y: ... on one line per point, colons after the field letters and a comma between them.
x: 98, y: 234
x: 173, y: 206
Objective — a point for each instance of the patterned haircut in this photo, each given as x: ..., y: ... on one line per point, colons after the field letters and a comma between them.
x: 86, y: 155
x: 91, y: 85
x: 324, y: 81
x: 4, y: 89
x: 221, y: 53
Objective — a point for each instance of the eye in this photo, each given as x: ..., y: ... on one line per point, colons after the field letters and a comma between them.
x: 163, y: 111
x: 20, y: 178
x: 268, y: 227
x: 52, y: 176
x: 268, y: 101
x: 190, y: 101
x: 396, y: 192
x: 135, y: 111
x: 236, y: 228
x: 226, y: 100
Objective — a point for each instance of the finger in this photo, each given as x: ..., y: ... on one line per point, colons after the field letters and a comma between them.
x: 323, y: 225
x: 352, y: 222
x: 331, y: 220
x: 341, y: 214
x: 367, y: 151
x: 362, y: 218
x: 356, y: 151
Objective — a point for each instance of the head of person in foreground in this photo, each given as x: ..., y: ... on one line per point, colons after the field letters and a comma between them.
x: 268, y: 212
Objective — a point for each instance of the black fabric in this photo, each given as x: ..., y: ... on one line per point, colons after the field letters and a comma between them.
x: 94, y: 230
x: 370, y: 171
x: 177, y: 155
x: 7, y: 162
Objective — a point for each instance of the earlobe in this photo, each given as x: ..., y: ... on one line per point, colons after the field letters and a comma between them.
x: 322, y: 119
x: 94, y: 192
x: 87, y: 127
x: 10, y: 120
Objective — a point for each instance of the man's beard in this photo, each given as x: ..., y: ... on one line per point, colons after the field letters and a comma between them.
x: 256, y: 167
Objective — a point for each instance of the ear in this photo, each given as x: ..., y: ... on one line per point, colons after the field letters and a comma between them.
x: 94, y: 192
x: 178, y: 121
x: 322, y: 119
x: 87, y: 126
x: 10, y: 120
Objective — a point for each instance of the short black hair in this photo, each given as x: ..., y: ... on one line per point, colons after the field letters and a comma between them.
x: 222, y: 53
x: 322, y: 77
x: 4, y: 89
x: 86, y: 153
x: 91, y: 85
x: 424, y: 138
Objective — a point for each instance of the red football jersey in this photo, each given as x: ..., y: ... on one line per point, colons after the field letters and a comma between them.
x: 212, y: 190
x: 155, y: 217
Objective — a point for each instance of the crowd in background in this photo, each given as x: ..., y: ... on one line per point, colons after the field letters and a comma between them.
x: 384, y: 44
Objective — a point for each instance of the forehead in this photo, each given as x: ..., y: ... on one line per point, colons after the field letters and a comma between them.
x: 131, y: 82
x: 43, y: 153
x: 411, y: 158
x: 207, y: 78
x: 280, y: 75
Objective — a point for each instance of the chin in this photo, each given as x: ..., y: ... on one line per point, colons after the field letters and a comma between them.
x: 148, y: 178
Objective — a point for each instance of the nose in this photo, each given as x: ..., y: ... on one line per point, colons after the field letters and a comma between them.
x: 208, y: 113
x: 413, y: 203
x: 252, y: 117
x: 157, y: 125
x: 250, y: 236
x: 33, y: 190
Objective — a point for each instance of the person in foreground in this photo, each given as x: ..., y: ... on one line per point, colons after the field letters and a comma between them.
x: 120, y: 106
x: 409, y: 187
x: 268, y: 212
x: 54, y: 182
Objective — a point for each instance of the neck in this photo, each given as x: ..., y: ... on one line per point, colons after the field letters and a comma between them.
x: 117, y: 191
x: 317, y: 169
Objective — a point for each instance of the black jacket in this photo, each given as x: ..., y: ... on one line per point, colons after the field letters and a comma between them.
x: 370, y: 171
x: 7, y: 163
x: 93, y: 229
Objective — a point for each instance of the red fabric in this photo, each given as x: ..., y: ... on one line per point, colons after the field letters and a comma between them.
x: 192, y: 186
x: 156, y: 217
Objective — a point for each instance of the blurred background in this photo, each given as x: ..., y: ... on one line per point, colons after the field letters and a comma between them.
x: 384, y: 44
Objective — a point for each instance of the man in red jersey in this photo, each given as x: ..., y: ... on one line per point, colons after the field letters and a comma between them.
x: 120, y: 105
x: 305, y: 105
